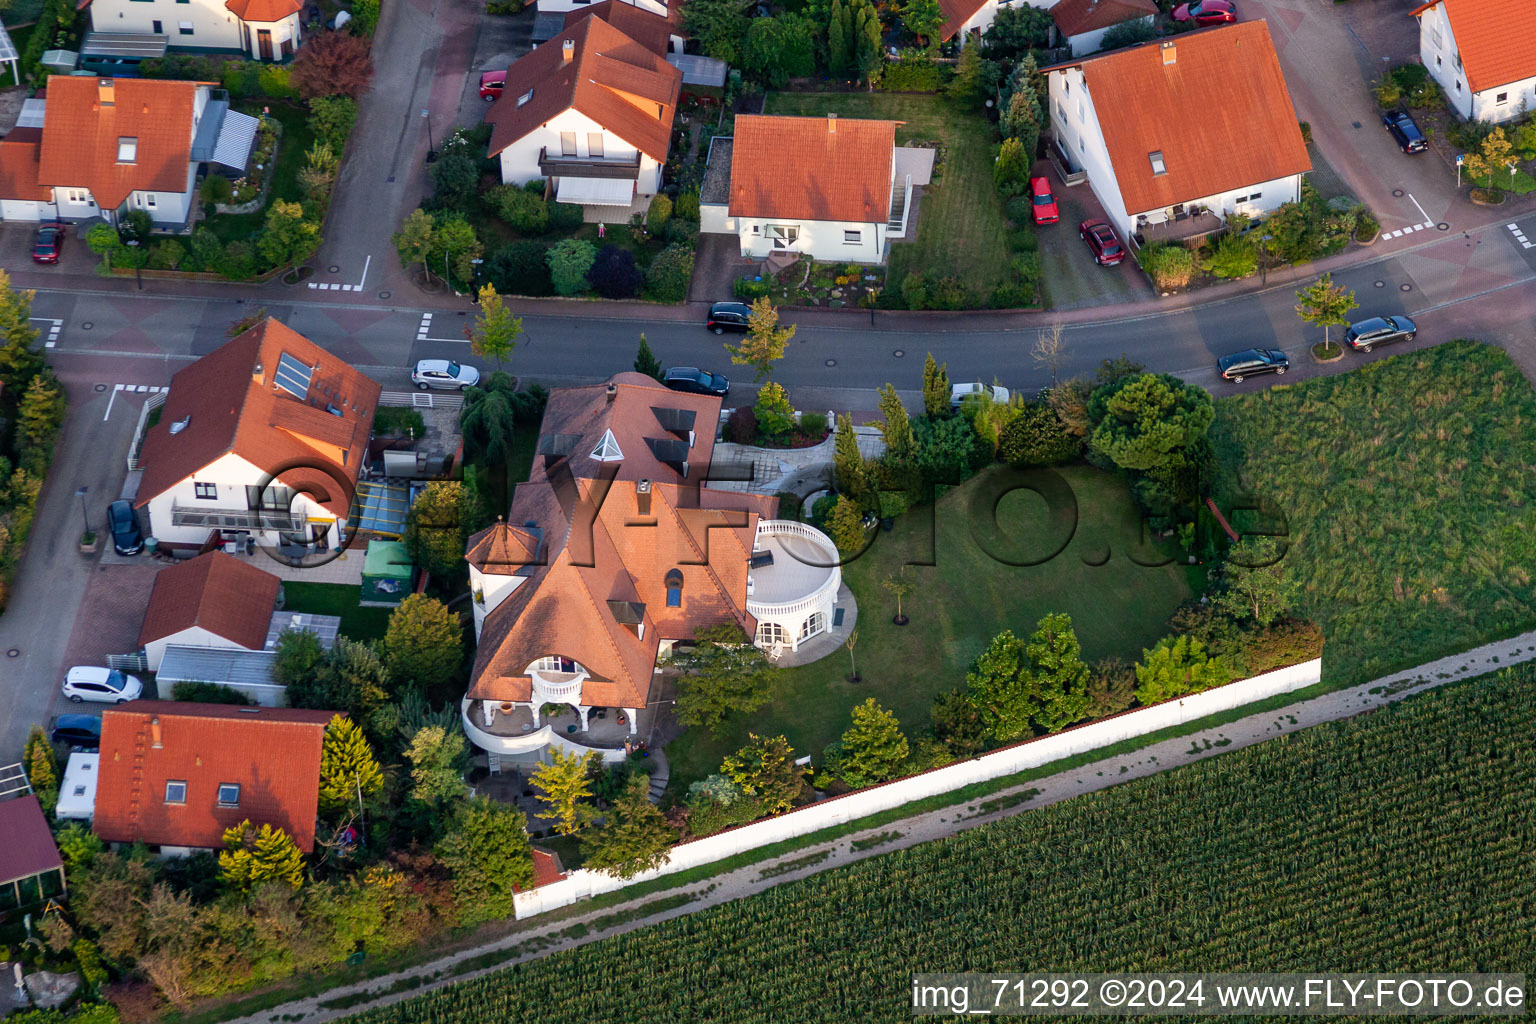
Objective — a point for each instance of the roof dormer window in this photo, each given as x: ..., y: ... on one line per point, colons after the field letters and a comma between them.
x: 1158, y: 167
x: 127, y: 150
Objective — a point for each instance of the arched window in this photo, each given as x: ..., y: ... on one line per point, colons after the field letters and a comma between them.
x: 674, y: 588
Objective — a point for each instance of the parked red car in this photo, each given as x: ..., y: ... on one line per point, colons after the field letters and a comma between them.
x: 47, y: 243
x: 1042, y: 203
x: 1207, y: 12
x: 1107, y: 250
x: 491, y: 84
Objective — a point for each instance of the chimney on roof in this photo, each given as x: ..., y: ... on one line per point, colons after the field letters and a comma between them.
x: 1170, y: 54
x: 104, y: 91
x: 831, y: 124
x: 643, y: 498
x: 154, y: 732
x: 257, y: 372
x: 567, y: 51
x: 612, y: 391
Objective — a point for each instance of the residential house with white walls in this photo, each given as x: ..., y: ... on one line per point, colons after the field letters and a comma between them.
x: 258, y: 29
x: 614, y: 551
x: 260, y: 441
x: 108, y: 145
x: 213, y: 600
x: 589, y: 113
x: 1483, y: 54
x: 1081, y: 25
x: 1123, y: 119
x: 829, y: 188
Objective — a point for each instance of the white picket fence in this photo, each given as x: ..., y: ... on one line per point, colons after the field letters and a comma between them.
x: 864, y: 802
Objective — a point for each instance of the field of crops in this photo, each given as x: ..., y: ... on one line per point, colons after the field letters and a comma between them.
x: 1396, y: 841
x: 1411, y: 498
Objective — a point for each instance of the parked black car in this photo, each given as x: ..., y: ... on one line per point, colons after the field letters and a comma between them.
x: 694, y: 381
x: 1378, y: 331
x: 1250, y: 362
x: 728, y: 316
x: 127, y: 538
x: 77, y: 731
x: 1401, y: 125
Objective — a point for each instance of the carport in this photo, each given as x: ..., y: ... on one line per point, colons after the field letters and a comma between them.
x: 28, y: 853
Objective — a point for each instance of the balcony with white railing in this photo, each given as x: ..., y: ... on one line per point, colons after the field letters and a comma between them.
x: 802, y: 576
x: 508, y: 729
x: 557, y: 687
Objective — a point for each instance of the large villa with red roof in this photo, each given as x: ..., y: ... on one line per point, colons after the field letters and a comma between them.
x: 615, y: 550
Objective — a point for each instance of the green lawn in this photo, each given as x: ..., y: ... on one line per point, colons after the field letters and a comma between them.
x: 1520, y: 184
x: 296, y: 140
x: 357, y: 622
x: 1408, y: 486
x: 1118, y: 608
x: 961, y: 228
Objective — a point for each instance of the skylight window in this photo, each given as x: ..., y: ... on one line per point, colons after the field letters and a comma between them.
x: 127, y: 150
x: 1158, y: 167
x: 607, y: 449
x: 525, y: 97
x: 293, y: 376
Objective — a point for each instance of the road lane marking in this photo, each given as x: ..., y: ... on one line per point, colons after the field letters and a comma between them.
x: 332, y: 286
x: 54, y: 327
x: 1525, y: 243
x: 136, y: 389
x: 1427, y: 221
x: 424, y: 332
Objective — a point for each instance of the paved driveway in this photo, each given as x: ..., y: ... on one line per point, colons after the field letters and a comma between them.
x: 1071, y: 278
x: 502, y: 40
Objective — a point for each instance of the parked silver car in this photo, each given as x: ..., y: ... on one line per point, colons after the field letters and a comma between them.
x: 444, y: 373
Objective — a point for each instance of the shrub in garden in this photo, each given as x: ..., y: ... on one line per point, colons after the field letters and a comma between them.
x: 1169, y: 266
x: 1012, y: 295
x: 614, y: 274
x: 1023, y: 240
x: 332, y: 64
x: 166, y: 254
x: 670, y: 272
x: 914, y: 290
x: 241, y: 78
x: 455, y: 181
x: 331, y: 119
x: 206, y: 251
x: 564, y: 217
x: 741, y: 428
x: 813, y: 424
x: 525, y: 211
x: 682, y: 230
x: 1366, y: 228
x: 746, y: 289
x: 276, y: 81
x: 947, y: 293
x: 659, y: 212
x: 1019, y: 210
x: 686, y: 205
x: 1010, y: 172
x: 1037, y: 437
x: 217, y: 189
x: 521, y: 268
x: 238, y: 261
x: 775, y: 415
x: 1234, y: 256
x: 569, y: 261
x: 948, y: 451
x: 365, y: 17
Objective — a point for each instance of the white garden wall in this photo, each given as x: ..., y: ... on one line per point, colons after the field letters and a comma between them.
x: 1017, y: 758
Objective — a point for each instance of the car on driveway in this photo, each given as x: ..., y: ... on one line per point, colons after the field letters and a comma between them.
x: 104, y: 685
x: 47, y: 243
x: 491, y: 84
x: 1401, y: 124
x: 127, y: 538
x: 77, y: 731
x: 693, y: 381
x: 728, y: 316
x: 1253, y: 361
x: 1379, y: 330
x: 1107, y: 250
x: 958, y: 393
x: 1042, y: 203
x: 1207, y: 12
x: 449, y: 374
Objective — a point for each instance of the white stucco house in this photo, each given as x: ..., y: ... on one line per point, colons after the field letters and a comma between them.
x: 977, y: 16
x: 260, y: 29
x: 829, y: 188
x: 1161, y: 174
x: 108, y: 145
x: 213, y: 600
x: 590, y: 111
x: 1483, y: 54
x: 614, y: 551
x: 260, y: 441
x: 1083, y: 24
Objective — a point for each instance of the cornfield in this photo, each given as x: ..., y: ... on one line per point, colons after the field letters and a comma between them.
x: 1400, y: 840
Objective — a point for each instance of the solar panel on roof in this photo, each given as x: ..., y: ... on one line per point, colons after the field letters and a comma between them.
x: 292, y: 376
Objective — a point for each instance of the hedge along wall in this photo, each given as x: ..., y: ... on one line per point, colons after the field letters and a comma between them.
x: 862, y: 803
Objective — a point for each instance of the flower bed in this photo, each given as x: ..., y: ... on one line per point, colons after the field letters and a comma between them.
x: 833, y: 285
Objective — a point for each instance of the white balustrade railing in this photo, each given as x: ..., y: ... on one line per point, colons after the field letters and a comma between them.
x: 816, y: 598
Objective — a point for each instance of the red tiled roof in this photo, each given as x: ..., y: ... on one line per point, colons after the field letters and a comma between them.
x: 20, y: 154
x: 957, y: 13
x: 1075, y: 17
x: 812, y: 168
x: 546, y: 867
x: 650, y: 30
x: 613, y: 79
x: 235, y: 407
x: 602, y: 548
x: 272, y: 754
x: 28, y: 848
x: 1142, y: 99
x: 1496, y: 39
x: 88, y: 116
x: 502, y: 548
x: 263, y: 10
x: 216, y: 591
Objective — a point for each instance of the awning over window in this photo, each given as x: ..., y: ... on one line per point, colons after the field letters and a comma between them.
x: 596, y: 191
x: 236, y: 135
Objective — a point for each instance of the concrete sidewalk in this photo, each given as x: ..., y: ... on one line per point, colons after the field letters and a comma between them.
x: 923, y: 828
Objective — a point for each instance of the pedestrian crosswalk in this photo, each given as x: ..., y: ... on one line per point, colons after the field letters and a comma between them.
x: 1525, y: 243
x: 1410, y: 229
x: 54, y: 327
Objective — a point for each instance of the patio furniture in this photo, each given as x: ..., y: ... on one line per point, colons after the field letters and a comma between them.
x: 493, y: 763
x: 760, y: 559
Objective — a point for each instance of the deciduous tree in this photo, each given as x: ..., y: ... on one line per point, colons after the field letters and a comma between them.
x: 1326, y: 304
x: 1177, y: 666
x: 423, y: 644
x: 495, y: 330
x: 765, y: 768
x: 414, y: 240
x: 924, y: 19
x: 437, y: 768
x: 1489, y: 158
x: 764, y: 342
x: 569, y: 262
x: 564, y: 785
x: 438, y: 524
x: 633, y: 837
x: 286, y: 237
x: 900, y: 584
x: 723, y: 675
x: 487, y: 851
x: 957, y: 723
x: 332, y: 64
x: 1257, y: 582
x: 1001, y: 685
